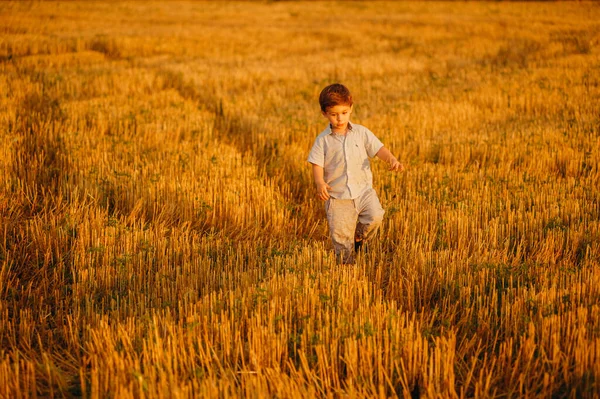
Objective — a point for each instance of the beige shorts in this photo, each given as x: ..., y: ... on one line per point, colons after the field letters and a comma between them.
x: 343, y: 215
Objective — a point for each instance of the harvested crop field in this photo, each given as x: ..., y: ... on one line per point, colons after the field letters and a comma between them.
x: 160, y: 234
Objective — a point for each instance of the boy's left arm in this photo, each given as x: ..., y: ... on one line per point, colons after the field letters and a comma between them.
x: 385, y: 155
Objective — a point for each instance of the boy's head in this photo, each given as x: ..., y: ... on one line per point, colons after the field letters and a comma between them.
x: 335, y: 94
x: 336, y: 106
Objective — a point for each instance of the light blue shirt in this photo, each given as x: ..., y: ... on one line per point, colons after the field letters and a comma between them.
x: 345, y: 160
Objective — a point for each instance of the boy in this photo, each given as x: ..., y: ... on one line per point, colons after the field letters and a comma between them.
x: 342, y: 173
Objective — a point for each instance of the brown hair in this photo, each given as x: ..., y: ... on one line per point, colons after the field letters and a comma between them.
x: 335, y: 94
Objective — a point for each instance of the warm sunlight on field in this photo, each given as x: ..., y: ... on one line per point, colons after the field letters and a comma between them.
x: 160, y: 234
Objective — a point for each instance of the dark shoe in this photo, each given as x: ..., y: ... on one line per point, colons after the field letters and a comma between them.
x: 360, y: 246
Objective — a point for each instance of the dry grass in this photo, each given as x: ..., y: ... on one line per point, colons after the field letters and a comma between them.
x: 159, y: 234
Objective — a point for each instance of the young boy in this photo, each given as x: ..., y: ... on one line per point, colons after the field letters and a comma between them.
x: 342, y: 173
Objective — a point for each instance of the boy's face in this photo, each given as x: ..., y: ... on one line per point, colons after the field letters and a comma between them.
x: 338, y: 116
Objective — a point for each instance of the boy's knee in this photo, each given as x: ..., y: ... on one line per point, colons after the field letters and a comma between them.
x: 377, y: 218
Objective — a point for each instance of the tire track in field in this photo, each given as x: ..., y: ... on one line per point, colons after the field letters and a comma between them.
x: 250, y: 139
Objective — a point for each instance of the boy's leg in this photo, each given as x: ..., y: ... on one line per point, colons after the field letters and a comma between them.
x: 370, y: 215
x: 341, y: 216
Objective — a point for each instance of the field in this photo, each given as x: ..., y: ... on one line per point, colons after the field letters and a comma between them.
x: 160, y: 234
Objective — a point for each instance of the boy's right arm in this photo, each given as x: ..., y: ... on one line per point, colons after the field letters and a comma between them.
x: 322, y: 187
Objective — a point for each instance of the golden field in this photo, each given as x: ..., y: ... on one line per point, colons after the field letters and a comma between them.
x: 160, y: 236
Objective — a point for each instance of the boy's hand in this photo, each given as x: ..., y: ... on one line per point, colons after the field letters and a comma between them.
x: 385, y: 155
x: 396, y: 166
x: 323, y: 191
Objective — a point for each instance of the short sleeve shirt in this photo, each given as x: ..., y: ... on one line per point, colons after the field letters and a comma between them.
x: 345, y: 160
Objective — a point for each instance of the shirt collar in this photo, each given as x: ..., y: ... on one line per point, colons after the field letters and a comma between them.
x: 331, y: 129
